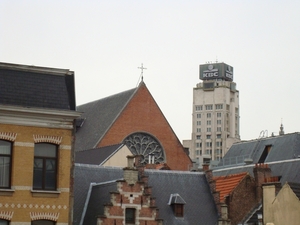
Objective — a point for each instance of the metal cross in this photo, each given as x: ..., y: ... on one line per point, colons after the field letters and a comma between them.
x: 142, y: 70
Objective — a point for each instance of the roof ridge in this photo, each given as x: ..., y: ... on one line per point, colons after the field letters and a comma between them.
x: 109, y: 96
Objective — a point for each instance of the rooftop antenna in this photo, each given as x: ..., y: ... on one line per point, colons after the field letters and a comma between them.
x: 142, y: 68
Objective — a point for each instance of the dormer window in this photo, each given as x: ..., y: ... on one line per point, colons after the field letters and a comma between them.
x: 177, y: 203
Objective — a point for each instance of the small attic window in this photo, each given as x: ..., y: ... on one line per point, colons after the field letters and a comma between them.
x: 177, y: 203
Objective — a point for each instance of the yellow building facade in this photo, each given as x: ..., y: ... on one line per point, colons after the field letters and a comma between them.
x: 36, y: 155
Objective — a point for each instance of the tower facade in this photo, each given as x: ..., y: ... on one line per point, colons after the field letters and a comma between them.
x: 215, y: 123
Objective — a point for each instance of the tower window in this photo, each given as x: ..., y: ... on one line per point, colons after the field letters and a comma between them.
x: 198, y: 107
x: 209, y: 107
x: 219, y: 106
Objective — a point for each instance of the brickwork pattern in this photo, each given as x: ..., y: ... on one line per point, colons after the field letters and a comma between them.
x: 142, y: 114
x: 128, y: 195
x: 21, y: 203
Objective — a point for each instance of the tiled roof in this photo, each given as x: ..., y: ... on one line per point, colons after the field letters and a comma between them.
x: 85, y: 175
x: 199, y: 204
x: 38, y: 87
x: 226, y: 184
x: 96, y: 156
x: 98, y: 117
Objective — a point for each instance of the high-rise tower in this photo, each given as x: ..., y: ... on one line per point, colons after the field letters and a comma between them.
x: 215, y: 113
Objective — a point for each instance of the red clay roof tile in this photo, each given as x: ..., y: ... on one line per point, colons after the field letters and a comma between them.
x: 226, y: 184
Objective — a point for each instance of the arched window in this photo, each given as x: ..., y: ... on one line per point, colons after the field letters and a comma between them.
x: 147, y: 146
x: 5, y: 164
x: 45, y: 166
x: 42, y: 222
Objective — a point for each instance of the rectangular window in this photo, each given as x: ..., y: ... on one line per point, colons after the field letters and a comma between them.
x: 5, y: 163
x: 219, y: 129
x: 208, y: 122
x: 219, y: 143
x: 218, y: 121
x: 198, y: 130
x: 197, y: 152
x: 208, y: 136
x: 208, y: 115
x: 219, y: 114
x: 45, y: 166
x: 219, y: 106
x: 208, y: 129
x: 198, y: 123
x: 198, y: 145
x: 198, y: 107
x: 218, y: 135
x: 130, y: 216
x: 208, y: 144
x: 198, y: 115
x: 209, y: 107
x: 198, y: 137
x: 178, y: 210
x: 41, y: 222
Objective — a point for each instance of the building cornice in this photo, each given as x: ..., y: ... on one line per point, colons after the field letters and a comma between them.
x: 36, y: 69
x: 37, y: 117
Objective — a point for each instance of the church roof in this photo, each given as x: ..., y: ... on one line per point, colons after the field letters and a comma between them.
x: 98, y: 116
x: 37, y: 87
x: 96, y: 156
x: 199, y: 204
x: 226, y: 184
x: 263, y: 150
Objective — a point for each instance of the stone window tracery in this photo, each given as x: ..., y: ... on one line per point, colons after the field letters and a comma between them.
x: 147, y: 146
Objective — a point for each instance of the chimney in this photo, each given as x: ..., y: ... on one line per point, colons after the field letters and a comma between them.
x: 261, y: 172
x: 130, y: 172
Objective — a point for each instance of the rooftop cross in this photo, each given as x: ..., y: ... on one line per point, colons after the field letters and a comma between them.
x: 142, y: 70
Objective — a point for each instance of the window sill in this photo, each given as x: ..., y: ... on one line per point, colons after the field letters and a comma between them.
x: 6, y: 192
x: 43, y: 193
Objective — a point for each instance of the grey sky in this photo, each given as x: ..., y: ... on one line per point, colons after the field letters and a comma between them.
x: 105, y: 41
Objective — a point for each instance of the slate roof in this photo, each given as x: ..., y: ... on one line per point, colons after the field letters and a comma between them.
x: 98, y: 116
x: 85, y: 175
x: 283, y: 147
x: 96, y: 156
x: 191, y: 186
x: 287, y: 170
x: 32, y: 86
x: 226, y: 184
x: 295, y: 187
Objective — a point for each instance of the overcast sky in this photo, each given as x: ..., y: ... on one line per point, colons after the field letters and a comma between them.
x: 105, y: 42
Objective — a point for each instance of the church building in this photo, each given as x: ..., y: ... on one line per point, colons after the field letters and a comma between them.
x: 132, y: 118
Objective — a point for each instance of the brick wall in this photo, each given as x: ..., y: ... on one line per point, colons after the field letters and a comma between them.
x: 135, y: 195
x: 22, y: 201
x: 241, y: 200
x: 142, y: 114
